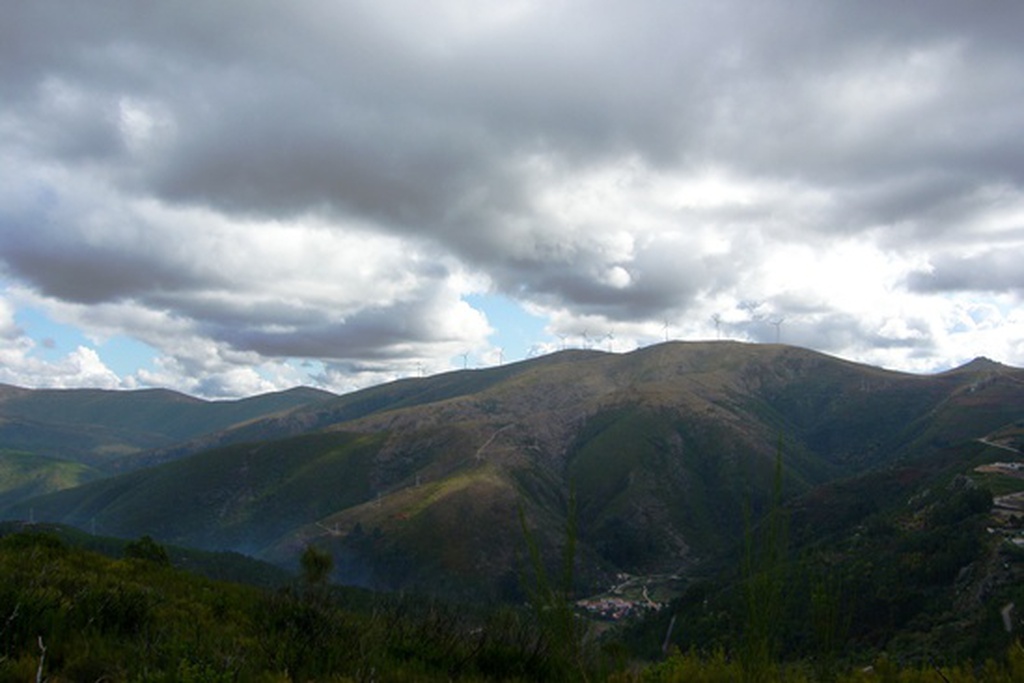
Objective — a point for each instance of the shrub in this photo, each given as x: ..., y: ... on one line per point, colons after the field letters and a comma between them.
x: 145, y: 548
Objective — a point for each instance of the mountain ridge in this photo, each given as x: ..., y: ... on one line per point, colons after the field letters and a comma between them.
x: 664, y: 448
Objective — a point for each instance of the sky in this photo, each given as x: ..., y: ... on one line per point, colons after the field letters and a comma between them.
x: 228, y: 198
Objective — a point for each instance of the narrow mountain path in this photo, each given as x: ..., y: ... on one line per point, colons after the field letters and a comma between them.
x: 480, y: 451
x: 993, y: 444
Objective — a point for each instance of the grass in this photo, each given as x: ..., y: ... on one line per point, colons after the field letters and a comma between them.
x: 212, y: 501
x: 23, y: 475
x: 686, y: 470
x: 101, y: 618
x: 436, y: 492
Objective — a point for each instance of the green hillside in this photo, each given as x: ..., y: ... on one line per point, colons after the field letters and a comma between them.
x: 241, y: 497
x: 663, y: 461
x: 100, y: 427
x: 669, y: 450
x: 217, y: 565
x: 24, y: 475
x: 911, y: 560
x: 70, y: 614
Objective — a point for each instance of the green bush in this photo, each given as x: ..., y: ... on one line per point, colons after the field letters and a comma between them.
x: 147, y: 549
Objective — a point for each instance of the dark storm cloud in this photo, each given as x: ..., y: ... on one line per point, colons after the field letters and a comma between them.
x: 990, y: 271
x: 90, y: 259
x: 371, y: 335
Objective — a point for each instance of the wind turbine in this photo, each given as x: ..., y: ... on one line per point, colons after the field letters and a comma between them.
x: 665, y: 327
x: 778, y: 328
x: 586, y: 339
x: 718, y: 325
x: 611, y: 341
x: 501, y: 355
x: 562, y: 338
x: 465, y: 359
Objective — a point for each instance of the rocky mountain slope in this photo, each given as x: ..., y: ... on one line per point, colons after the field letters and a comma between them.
x: 662, y: 451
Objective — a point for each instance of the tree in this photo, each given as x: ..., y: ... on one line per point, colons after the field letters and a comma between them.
x: 147, y: 549
x: 316, y: 566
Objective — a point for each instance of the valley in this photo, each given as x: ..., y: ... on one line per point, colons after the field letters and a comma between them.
x: 658, y: 466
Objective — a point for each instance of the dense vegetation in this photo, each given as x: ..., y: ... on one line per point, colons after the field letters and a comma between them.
x: 72, y: 614
x: 860, y: 571
x: 870, y: 551
x: 76, y: 615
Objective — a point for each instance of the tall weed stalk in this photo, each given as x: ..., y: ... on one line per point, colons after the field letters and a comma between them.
x: 830, y: 622
x: 764, y: 586
x: 562, y: 633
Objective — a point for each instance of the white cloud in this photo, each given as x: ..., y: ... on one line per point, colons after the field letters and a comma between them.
x: 19, y: 366
x: 9, y: 330
x: 245, y: 189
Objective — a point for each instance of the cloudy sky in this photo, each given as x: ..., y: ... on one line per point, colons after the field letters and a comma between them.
x: 233, y: 197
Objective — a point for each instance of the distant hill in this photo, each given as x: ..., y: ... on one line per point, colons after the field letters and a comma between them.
x: 221, y: 566
x: 97, y: 427
x: 23, y: 475
x: 419, y: 483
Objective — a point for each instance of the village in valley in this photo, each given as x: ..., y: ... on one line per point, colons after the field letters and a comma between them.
x: 631, y: 597
x: 1007, y: 508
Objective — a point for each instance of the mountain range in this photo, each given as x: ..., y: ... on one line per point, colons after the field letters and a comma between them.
x: 660, y: 457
